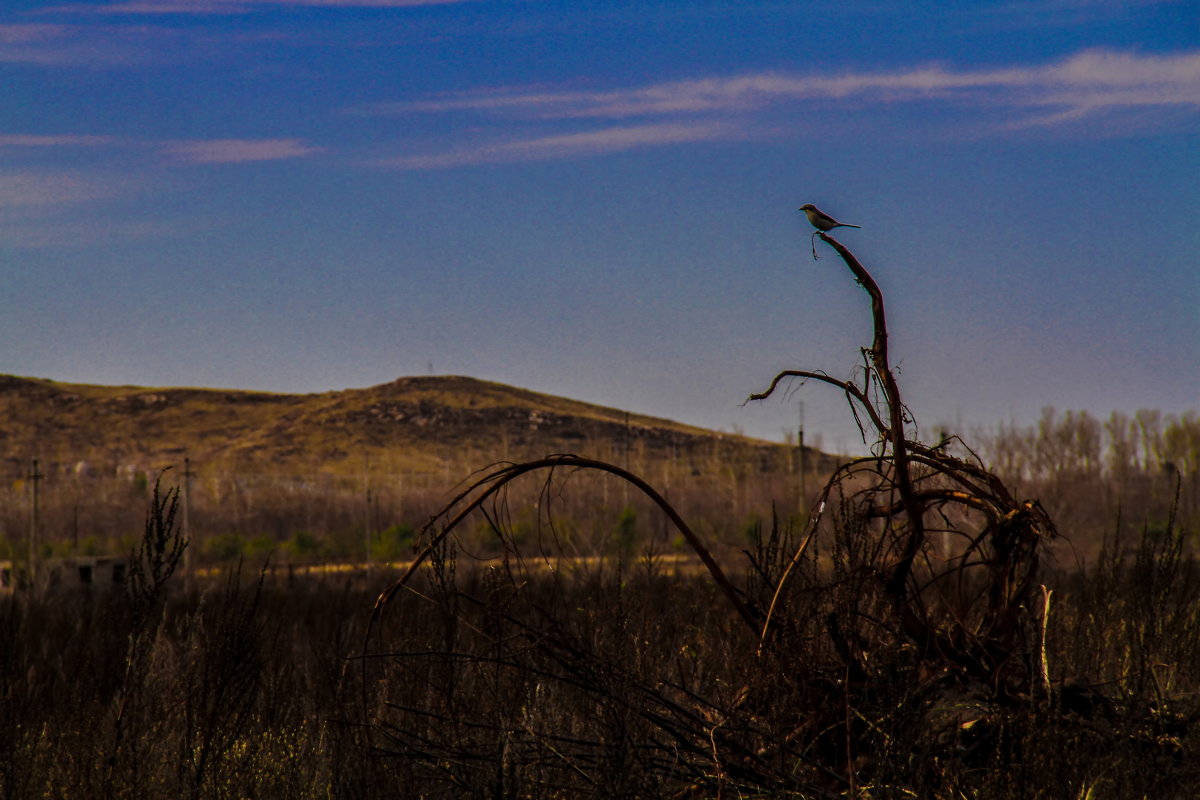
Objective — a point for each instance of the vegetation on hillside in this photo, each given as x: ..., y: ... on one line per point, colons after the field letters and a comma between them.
x: 340, y: 476
x: 413, y: 425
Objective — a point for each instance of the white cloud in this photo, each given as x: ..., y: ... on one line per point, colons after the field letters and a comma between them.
x: 1061, y: 93
x: 186, y: 151
x: 1090, y: 79
x: 34, y: 44
x: 26, y: 34
x: 69, y: 140
x: 233, y: 151
x: 365, y: 3
x: 1103, y: 78
x: 607, y: 140
x: 163, y: 7
x: 74, y: 232
x: 93, y: 45
x: 25, y: 189
x: 201, y: 7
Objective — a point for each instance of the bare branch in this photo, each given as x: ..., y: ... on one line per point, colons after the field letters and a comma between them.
x: 879, y: 357
x: 494, y: 481
x: 850, y: 389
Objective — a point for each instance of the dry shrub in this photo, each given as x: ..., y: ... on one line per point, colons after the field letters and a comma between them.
x: 895, y: 645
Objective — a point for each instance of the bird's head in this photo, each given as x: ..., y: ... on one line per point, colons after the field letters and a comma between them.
x: 807, y: 207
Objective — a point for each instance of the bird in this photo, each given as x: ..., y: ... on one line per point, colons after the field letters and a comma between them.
x: 822, y: 221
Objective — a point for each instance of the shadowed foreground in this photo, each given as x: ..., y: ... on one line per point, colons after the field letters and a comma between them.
x: 648, y: 688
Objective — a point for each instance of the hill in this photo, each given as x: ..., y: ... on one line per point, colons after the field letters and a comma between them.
x: 411, y: 425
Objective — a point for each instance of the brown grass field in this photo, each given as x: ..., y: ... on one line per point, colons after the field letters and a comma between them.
x: 560, y: 651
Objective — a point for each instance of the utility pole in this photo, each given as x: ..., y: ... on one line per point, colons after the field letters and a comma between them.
x: 947, y: 543
x: 625, y: 484
x: 627, y: 442
x: 35, y: 476
x: 367, y: 508
x: 800, y: 465
x: 187, y: 506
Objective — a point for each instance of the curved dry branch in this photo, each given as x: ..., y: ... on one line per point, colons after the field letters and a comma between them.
x: 938, y: 497
x: 939, y: 468
x: 850, y: 389
x: 494, y: 481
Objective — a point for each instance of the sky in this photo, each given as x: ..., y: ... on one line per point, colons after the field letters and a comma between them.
x: 599, y: 200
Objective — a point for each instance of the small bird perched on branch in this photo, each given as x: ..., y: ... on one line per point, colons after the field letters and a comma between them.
x: 822, y: 221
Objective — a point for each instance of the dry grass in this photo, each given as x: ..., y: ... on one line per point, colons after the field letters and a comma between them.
x: 646, y: 685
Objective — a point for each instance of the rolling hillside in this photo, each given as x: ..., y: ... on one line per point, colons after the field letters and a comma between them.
x: 415, y: 424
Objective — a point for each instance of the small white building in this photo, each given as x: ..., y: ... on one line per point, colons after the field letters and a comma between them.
x: 72, y: 572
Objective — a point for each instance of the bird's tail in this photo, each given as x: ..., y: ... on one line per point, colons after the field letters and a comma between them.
x: 844, y: 225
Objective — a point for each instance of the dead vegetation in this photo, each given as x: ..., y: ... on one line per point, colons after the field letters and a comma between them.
x: 895, y: 645
x: 907, y: 638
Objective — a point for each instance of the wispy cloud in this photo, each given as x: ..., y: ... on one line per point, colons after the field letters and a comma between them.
x: 158, y: 7
x: 40, y: 189
x: 606, y: 140
x: 1090, y: 79
x: 234, y: 151
x: 68, y: 140
x: 1103, y: 78
x: 187, y: 151
x: 208, y: 7
x: 365, y: 3
x: 728, y: 107
x: 76, y: 232
x: 101, y: 45
x: 34, y: 43
x: 26, y: 33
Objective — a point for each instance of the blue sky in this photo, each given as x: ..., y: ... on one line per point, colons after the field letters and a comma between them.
x: 599, y: 199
